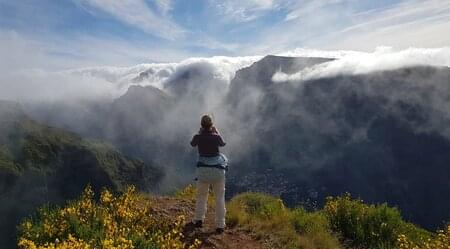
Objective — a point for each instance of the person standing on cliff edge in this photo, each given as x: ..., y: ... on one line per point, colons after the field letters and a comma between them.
x: 211, y: 167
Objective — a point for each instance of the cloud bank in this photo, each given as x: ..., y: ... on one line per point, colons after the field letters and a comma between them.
x: 351, y: 62
x: 31, y: 84
x: 22, y: 80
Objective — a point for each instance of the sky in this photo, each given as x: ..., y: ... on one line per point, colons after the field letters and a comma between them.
x: 64, y: 34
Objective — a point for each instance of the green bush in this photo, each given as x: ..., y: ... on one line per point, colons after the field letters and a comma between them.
x: 278, y: 226
x: 315, y: 227
x: 369, y: 226
x: 309, y: 222
x: 262, y: 206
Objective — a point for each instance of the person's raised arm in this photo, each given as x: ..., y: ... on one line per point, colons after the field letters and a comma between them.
x: 194, y: 141
x: 220, y: 141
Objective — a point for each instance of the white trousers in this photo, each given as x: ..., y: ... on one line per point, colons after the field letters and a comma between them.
x: 215, y: 178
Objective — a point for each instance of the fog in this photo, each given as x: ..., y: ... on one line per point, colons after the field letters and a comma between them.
x: 87, y: 100
x: 30, y: 83
x: 351, y: 62
x: 107, y: 82
x: 289, y: 121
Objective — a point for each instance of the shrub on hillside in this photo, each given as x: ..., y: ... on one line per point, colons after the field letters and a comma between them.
x: 122, y: 222
x: 280, y: 227
x: 440, y: 241
x: 369, y: 226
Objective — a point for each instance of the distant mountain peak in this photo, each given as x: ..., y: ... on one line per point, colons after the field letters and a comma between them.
x: 138, y: 90
x: 258, y: 76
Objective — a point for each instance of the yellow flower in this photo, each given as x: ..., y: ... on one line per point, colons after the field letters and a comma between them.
x: 120, y: 218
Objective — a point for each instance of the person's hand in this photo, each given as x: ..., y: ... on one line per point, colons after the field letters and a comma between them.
x: 214, y: 129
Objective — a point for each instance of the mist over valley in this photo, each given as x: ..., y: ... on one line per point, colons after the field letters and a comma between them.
x: 381, y: 135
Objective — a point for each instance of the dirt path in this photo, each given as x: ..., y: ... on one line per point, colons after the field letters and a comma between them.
x: 232, y: 238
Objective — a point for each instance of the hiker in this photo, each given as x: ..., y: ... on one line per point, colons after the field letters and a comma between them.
x: 211, y: 167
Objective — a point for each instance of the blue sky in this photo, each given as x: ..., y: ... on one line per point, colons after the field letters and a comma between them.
x: 56, y: 34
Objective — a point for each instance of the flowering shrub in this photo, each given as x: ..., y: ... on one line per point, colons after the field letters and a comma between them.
x: 369, y: 226
x: 440, y: 241
x: 114, y: 222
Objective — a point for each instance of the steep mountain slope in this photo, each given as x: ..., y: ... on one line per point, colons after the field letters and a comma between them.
x: 149, y: 123
x: 40, y: 164
x: 259, y: 74
x: 145, y: 122
x: 134, y: 118
x: 379, y: 136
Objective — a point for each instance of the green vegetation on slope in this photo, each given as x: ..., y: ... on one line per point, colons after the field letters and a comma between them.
x: 126, y: 221
x: 41, y: 164
x: 356, y: 224
x: 370, y: 226
x: 278, y: 226
x: 27, y: 146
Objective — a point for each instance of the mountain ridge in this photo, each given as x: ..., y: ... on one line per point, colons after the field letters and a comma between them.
x: 41, y: 164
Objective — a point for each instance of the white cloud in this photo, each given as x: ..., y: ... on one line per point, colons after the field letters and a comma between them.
x: 243, y: 10
x: 335, y: 24
x: 410, y: 24
x: 305, y: 8
x: 123, y: 77
x: 35, y: 85
x: 164, y: 5
x: 27, y: 72
x: 248, y: 10
x: 55, y: 53
x: 306, y: 52
x: 36, y: 70
x: 138, y: 14
x: 223, y: 68
x: 109, y: 81
x: 383, y: 58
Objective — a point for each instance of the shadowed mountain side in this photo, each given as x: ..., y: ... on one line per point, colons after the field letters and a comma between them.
x: 379, y: 136
x: 145, y: 122
x: 129, y: 117
x: 148, y: 123
x: 195, y: 81
x: 41, y: 164
x: 249, y: 82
